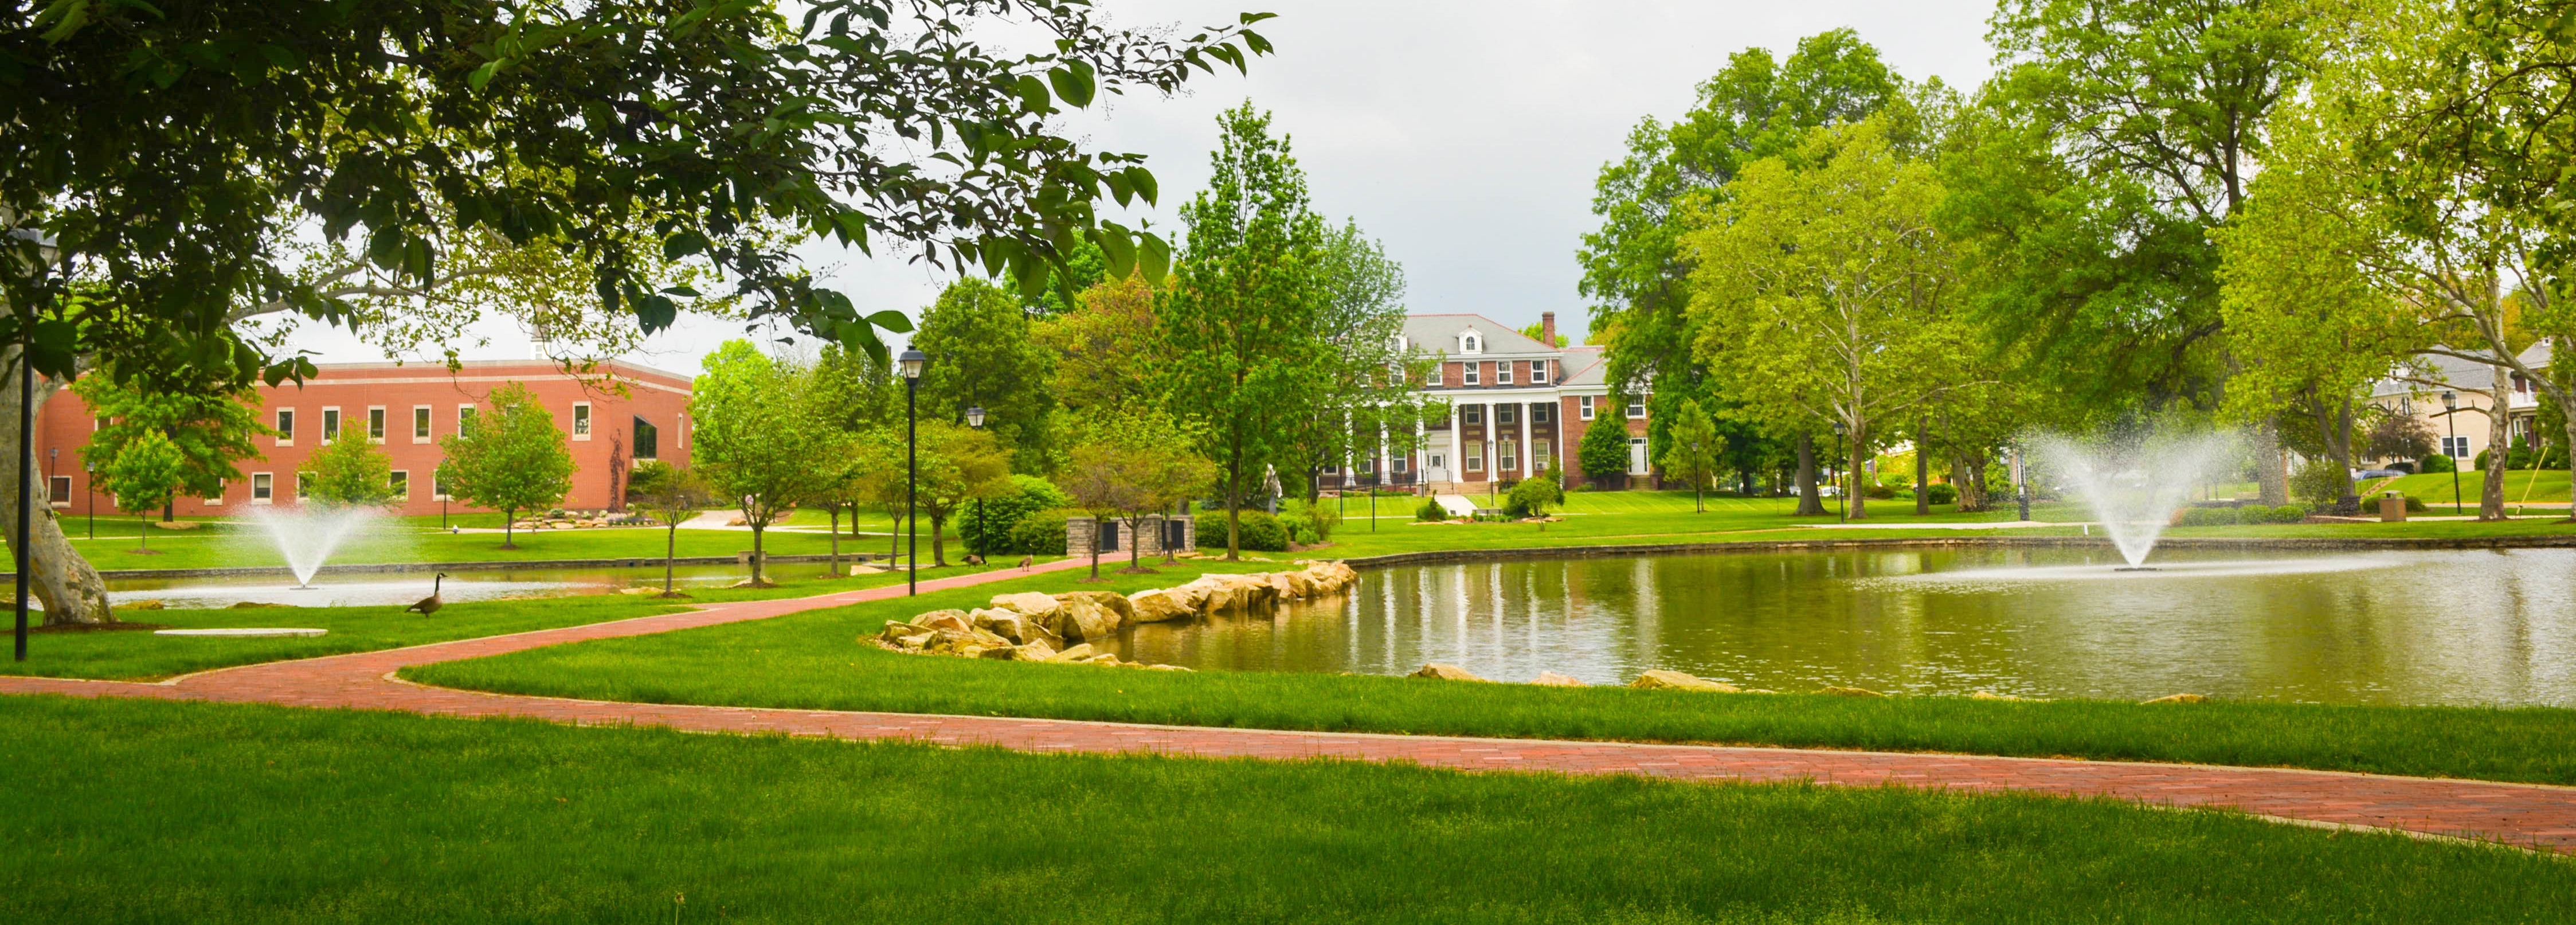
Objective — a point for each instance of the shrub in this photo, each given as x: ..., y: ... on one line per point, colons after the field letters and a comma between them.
x: 2437, y: 463
x: 2320, y: 482
x: 1533, y: 496
x: 2209, y: 516
x: 992, y: 526
x: 1878, y: 492
x: 1430, y: 511
x: 1261, y: 532
x: 2285, y: 514
x: 1943, y: 494
x: 1041, y: 533
x: 1311, y: 523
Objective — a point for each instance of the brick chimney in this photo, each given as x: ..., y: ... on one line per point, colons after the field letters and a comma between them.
x: 1547, y: 328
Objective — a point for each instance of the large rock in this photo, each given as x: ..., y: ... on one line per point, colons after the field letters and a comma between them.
x: 1031, y: 603
x: 1019, y: 628
x: 1083, y: 620
x: 1111, y: 599
x: 1662, y: 680
x: 1033, y: 652
x: 1193, y: 596
x: 1078, y: 653
x: 897, y: 629
x: 2178, y: 698
x: 1552, y: 679
x: 945, y: 620
x: 1446, y: 672
x: 1158, y: 606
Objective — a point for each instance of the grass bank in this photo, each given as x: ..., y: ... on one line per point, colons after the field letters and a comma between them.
x: 817, y: 661
x: 139, y: 811
x: 134, y: 655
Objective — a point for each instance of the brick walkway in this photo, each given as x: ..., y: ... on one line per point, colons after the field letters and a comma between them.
x: 2519, y: 814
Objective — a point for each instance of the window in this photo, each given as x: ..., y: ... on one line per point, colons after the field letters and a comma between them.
x: 1510, y: 455
x: 581, y: 420
x: 1583, y: 408
x: 1439, y: 463
x: 1397, y: 464
x: 216, y: 499
x: 420, y: 423
x: 684, y: 432
x: 1474, y: 452
x: 400, y: 482
x: 437, y: 488
x: 1538, y: 455
x: 285, y: 427
x: 330, y: 425
x: 1470, y: 343
x: 303, y: 485
x: 263, y: 488
x: 1538, y: 414
x: 1332, y: 470
x: 1538, y: 372
x: 99, y: 423
x: 376, y: 424
x: 1507, y: 414
x: 1503, y: 373
x: 1472, y: 414
x: 58, y: 491
x: 1472, y: 370
x: 2456, y: 447
x: 648, y: 439
x: 1636, y: 409
x: 464, y: 413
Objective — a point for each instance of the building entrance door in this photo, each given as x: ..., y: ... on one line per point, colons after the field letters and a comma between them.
x: 1637, y: 456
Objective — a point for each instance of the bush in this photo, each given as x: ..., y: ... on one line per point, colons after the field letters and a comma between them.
x: 2208, y: 516
x: 991, y: 527
x: 2320, y: 482
x: 1042, y: 533
x: 2437, y: 463
x: 1261, y: 532
x: 1878, y: 492
x: 1943, y: 494
x: 2285, y: 514
x: 1430, y: 511
x: 1533, y: 496
x: 1311, y: 523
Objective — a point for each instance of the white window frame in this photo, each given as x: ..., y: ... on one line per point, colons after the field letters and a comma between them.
x: 1474, y: 452
x: 1539, y: 413
x: 303, y: 485
x: 1538, y: 454
x: 464, y: 411
x: 1583, y: 407
x: 63, y: 500
x: 1538, y: 372
x: 263, y: 482
x: 1507, y: 414
x: 331, y: 424
x: 1502, y: 372
x: 1507, y: 456
x: 401, y: 478
x: 285, y: 434
x: 1473, y: 373
x: 2462, y: 447
x: 380, y: 424
x: 424, y: 423
x: 1637, y: 410
x: 1471, y: 414
x: 581, y: 420
x: 216, y: 499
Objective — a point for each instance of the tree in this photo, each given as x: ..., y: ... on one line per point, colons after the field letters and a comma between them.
x: 142, y: 477
x: 1365, y: 403
x: 977, y: 341
x: 956, y: 466
x: 1822, y: 291
x: 1636, y: 264
x: 671, y: 495
x: 1134, y: 464
x: 211, y: 431
x: 1692, y: 454
x: 350, y: 472
x: 1533, y: 496
x: 762, y: 438
x: 1237, y: 335
x: 2162, y: 106
x: 508, y: 457
x: 1604, y: 447
x: 1100, y: 347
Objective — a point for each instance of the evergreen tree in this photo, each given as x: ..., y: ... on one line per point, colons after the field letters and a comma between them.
x: 1603, y: 450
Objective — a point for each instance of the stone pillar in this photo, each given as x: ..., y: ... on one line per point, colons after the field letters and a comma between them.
x: 1523, y: 413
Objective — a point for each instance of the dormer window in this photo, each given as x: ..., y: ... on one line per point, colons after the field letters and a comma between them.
x: 1471, y: 342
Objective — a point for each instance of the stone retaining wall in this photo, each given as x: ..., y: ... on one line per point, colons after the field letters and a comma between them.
x: 1437, y: 556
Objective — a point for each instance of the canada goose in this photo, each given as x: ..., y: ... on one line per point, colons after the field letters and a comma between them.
x: 429, y: 605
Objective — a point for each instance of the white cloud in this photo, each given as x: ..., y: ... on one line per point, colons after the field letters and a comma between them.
x: 1465, y: 136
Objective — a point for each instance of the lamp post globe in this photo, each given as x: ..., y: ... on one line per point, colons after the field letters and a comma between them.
x: 975, y: 416
x: 975, y: 419
x: 910, y: 362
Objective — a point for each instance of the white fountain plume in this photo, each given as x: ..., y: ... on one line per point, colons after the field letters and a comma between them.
x: 306, y: 536
x: 2134, y: 486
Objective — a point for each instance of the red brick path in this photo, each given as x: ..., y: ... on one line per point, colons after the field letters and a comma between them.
x: 2520, y: 814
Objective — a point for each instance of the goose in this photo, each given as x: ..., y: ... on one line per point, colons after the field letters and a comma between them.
x: 429, y: 605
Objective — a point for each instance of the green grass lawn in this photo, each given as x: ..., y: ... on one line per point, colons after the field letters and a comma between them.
x: 230, y: 544
x: 816, y: 660
x: 145, y: 811
x: 2435, y: 488
x: 137, y: 655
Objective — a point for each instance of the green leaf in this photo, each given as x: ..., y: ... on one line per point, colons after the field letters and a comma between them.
x: 1075, y: 82
x: 1157, y: 257
x: 1119, y: 246
x: 1033, y: 95
x: 482, y: 75
x: 1143, y: 180
x: 891, y: 320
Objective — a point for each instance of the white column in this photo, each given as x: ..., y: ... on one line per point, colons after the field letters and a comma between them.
x: 1523, y: 413
x: 1456, y: 471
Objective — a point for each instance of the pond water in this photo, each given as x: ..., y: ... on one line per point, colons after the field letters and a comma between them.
x: 2464, y: 627
x: 374, y: 589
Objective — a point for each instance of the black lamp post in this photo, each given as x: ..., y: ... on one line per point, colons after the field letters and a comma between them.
x: 46, y: 254
x: 1842, y: 493
x: 910, y: 362
x: 975, y: 419
x: 90, y: 469
x: 2450, y: 405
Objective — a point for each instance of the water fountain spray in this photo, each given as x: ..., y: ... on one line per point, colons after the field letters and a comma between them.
x: 2135, y: 486
x: 306, y: 536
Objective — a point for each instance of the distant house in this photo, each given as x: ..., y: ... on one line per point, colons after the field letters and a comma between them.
x: 406, y: 409
x: 2473, y: 385
x: 1517, y: 405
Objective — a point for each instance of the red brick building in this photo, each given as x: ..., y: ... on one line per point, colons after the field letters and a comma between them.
x: 407, y: 409
x: 1518, y: 405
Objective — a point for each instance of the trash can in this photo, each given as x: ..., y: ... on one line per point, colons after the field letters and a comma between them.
x: 2392, y: 508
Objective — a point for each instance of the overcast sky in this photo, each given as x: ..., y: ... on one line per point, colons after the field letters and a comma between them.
x: 1465, y: 136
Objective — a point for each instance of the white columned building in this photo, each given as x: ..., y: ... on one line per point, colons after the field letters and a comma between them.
x: 1486, y: 367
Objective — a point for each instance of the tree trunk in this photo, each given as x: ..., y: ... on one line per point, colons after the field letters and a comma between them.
x: 2499, y: 446
x: 1922, y: 470
x: 757, y: 559
x: 670, y: 557
x: 1810, y: 502
x: 836, y: 543
x: 1096, y: 524
x: 1857, y: 498
x: 2570, y: 420
x: 2348, y: 503
x: 938, y: 548
x: 2271, y: 480
x: 68, y: 585
x: 1233, y: 515
x: 509, y: 523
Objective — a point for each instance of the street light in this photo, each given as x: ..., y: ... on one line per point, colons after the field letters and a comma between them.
x: 46, y: 255
x: 1842, y: 495
x: 910, y: 362
x: 975, y: 419
x: 2451, y: 403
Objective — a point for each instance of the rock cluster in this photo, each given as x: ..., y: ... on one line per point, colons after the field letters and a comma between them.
x: 1034, y: 627
x: 569, y: 520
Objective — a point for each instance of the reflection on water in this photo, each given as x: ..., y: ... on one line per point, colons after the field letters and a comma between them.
x: 2465, y: 627
x: 376, y: 589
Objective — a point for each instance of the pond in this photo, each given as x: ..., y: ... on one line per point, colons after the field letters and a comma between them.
x: 2450, y: 627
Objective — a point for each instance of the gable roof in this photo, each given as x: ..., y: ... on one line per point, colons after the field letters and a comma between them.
x: 1439, y: 334
x: 2460, y: 374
